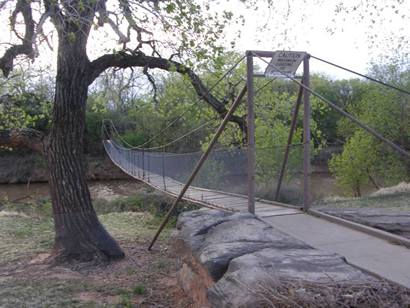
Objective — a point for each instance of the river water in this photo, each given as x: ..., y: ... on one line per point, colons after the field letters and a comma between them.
x: 99, y: 189
x: 322, y: 184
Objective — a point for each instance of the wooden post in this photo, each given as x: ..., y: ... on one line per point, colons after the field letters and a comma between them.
x: 163, y: 169
x: 290, y: 137
x: 143, y: 164
x: 306, y: 135
x: 199, y: 164
x: 251, y: 133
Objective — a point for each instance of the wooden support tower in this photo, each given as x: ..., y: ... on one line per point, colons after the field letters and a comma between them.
x: 306, y: 135
x: 251, y: 132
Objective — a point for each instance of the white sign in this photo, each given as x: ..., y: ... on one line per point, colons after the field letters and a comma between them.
x: 284, y: 63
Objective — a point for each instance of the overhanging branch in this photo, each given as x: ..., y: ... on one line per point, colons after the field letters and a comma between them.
x: 139, y: 59
x: 26, y: 47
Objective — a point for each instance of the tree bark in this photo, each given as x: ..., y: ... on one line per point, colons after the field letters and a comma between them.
x: 78, y: 232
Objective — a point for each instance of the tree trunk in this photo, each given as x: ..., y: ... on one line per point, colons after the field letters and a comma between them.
x: 78, y: 233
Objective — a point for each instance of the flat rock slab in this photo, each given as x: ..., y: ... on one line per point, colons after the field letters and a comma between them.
x: 389, y: 220
x: 248, y: 275
x: 215, y: 237
x: 240, y: 251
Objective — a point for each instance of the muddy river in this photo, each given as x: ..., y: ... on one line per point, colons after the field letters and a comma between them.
x: 322, y: 184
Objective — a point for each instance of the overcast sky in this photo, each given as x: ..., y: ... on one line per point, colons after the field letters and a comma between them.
x: 320, y: 27
x: 324, y: 29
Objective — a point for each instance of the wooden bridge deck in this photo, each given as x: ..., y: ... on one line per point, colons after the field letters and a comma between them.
x: 204, y: 197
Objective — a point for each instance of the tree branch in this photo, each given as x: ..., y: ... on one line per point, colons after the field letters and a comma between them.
x: 153, y: 84
x: 139, y: 59
x: 26, y: 48
x: 23, y: 138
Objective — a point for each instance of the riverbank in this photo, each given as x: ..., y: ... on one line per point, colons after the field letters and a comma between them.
x: 108, y: 190
x: 28, y: 167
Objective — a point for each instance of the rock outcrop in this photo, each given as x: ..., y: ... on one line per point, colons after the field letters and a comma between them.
x: 227, y: 258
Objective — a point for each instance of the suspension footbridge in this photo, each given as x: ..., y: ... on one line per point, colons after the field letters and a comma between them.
x: 223, y: 178
x: 361, y: 248
x: 150, y: 168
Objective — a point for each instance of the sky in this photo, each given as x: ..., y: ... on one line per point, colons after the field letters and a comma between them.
x: 326, y: 30
x: 330, y: 29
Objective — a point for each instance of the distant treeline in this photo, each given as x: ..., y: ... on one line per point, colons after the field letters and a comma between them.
x: 139, y: 115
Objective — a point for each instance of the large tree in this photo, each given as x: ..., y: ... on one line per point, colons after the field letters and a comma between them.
x: 78, y: 232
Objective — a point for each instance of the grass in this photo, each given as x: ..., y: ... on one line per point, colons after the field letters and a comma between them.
x: 396, y: 201
x: 395, y: 197
x: 288, y: 294
x: 35, y: 293
x: 22, y: 236
x: 147, y: 200
x: 27, y: 232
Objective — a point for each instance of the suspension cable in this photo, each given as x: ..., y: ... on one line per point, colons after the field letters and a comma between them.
x: 362, y: 75
x: 200, y: 98
x: 204, y: 124
x: 265, y: 85
x: 340, y: 110
x: 201, y: 125
x: 181, y: 137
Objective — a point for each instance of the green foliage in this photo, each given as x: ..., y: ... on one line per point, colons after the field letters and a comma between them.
x: 364, y: 161
x: 25, y: 103
x: 367, y: 161
x: 139, y: 289
x: 26, y: 110
x: 356, y: 164
x: 274, y: 107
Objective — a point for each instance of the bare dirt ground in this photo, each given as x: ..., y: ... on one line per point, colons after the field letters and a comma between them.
x: 28, y: 277
x: 143, y: 279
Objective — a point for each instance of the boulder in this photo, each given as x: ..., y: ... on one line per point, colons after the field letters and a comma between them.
x: 226, y: 257
x: 248, y: 275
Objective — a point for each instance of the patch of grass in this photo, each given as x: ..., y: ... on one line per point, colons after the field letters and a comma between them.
x: 27, y: 228
x: 131, y: 225
x: 37, y: 208
x: 125, y: 298
x: 139, y: 289
x: 287, y: 293
x: 39, y: 293
x: 399, y: 201
x: 147, y: 200
x: 22, y: 236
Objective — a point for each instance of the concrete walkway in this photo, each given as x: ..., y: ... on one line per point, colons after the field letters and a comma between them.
x: 367, y: 252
